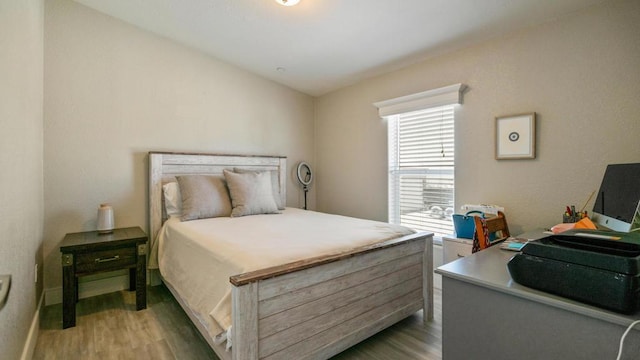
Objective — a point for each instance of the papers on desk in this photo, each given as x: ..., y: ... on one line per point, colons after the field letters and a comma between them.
x: 518, y: 242
x: 514, y: 244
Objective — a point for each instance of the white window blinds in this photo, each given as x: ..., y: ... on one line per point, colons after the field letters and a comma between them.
x: 421, y: 169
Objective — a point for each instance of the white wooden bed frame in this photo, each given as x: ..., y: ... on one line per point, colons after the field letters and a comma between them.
x: 315, y: 308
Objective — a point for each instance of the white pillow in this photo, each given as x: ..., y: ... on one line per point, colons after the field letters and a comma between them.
x: 204, y: 196
x: 172, y: 199
x: 251, y: 193
x: 275, y: 185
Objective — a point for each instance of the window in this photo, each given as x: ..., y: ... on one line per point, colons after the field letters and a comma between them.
x: 422, y: 159
x: 421, y: 164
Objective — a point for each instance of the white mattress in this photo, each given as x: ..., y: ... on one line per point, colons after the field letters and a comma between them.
x: 197, y: 257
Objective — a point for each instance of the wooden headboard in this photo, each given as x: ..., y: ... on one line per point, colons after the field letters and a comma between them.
x: 164, y: 167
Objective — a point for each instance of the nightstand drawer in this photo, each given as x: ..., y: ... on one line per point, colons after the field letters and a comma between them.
x: 455, y: 248
x: 106, y: 260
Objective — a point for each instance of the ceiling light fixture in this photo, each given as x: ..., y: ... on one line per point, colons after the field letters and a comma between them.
x: 287, y: 2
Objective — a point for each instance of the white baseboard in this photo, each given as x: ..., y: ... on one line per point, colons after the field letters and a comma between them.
x: 34, y: 331
x: 90, y: 288
x: 153, y: 277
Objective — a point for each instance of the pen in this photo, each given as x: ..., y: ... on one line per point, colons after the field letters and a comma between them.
x: 589, y: 199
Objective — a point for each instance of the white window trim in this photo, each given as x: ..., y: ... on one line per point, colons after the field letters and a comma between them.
x: 447, y: 95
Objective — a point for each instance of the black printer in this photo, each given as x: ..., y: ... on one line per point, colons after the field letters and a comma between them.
x: 601, y: 268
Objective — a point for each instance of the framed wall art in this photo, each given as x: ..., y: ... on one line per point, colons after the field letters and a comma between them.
x: 516, y: 137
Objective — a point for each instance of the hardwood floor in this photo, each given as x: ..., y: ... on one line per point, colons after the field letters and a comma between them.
x: 109, y: 327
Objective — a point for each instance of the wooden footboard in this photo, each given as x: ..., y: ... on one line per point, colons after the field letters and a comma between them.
x: 320, y: 307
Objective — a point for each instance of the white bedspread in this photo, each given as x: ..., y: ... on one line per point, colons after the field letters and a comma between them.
x: 197, y: 257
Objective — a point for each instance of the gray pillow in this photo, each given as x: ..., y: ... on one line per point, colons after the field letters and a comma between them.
x: 203, y: 196
x: 251, y: 193
x: 275, y: 184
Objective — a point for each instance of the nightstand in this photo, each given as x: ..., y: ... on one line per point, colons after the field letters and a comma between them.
x: 90, y: 252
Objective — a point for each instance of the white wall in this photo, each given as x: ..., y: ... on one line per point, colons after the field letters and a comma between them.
x: 580, y: 74
x: 114, y: 92
x: 21, y: 189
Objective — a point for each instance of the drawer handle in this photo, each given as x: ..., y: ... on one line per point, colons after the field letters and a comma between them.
x: 460, y: 256
x: 117, y: 257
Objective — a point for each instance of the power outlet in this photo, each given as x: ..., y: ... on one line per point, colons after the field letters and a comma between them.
x: 36, y: 273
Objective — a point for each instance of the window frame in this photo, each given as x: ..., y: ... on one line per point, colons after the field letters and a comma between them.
x: 448, y: 95
x: 418, y: 186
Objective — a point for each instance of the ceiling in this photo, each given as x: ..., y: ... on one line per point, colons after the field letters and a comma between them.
x: 319, y: 46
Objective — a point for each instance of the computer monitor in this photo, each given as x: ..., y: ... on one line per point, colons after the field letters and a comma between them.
x: 617, y: 204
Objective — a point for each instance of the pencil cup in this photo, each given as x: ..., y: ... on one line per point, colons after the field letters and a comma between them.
x: 572, y: 218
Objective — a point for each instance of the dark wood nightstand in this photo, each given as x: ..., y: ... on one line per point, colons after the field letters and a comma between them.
x: 90, y: 252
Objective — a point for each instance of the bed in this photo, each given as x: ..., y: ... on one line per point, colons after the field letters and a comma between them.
x: 305, y: 308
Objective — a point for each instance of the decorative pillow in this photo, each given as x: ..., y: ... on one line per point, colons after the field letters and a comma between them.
x: 251, y: 193
x: 275, y: 184
x: 172, y: 199
x: 203, y: 196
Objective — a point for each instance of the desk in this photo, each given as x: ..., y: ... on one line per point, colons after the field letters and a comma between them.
x: 486, y: 315
x: 89, y: 252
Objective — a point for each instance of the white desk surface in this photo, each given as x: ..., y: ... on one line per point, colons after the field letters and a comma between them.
x: 488, y: 268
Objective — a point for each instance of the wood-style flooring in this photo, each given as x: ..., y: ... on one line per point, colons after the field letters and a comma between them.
x: 109, y: 327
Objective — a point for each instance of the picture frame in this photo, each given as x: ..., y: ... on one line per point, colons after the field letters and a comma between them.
x: 516, y: 136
